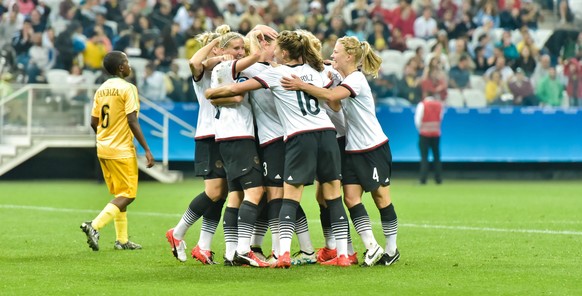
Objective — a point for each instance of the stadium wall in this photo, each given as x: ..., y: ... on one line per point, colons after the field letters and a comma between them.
x: 490, y: 143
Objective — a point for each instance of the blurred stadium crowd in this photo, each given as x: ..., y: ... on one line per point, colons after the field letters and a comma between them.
x: 466, y: 52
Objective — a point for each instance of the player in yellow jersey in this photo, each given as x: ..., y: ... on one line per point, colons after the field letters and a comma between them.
x: 114, y: 120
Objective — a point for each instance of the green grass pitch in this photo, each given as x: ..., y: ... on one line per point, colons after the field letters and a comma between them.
x: 461, y: 238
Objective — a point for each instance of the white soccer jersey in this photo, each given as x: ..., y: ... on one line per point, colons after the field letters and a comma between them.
x: 298, y: 111
x: 337, y: 118
x: 205, y: 123
x: 235, y: 121
x: 363, y: 131
x: 269, y: 125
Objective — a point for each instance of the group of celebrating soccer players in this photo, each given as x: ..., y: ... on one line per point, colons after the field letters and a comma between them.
x: 314, y: 122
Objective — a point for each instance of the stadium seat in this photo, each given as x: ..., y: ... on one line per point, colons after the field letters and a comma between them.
x: 138, y: 65
x: 184, y: 67
x: 414, y: 43
x: 497, y: 34
x: 477, y: 82
x: 475, y: 98
x: 57, y: 78
x: 455, y: 98
x: 388, y: 68
x: 541, y: 36
x: 393, y: 57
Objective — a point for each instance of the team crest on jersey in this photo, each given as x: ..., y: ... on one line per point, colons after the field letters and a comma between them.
x: 256, y: 159
x: 219, y: 164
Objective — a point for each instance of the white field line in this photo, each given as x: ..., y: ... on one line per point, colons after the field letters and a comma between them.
x: 411, y: 225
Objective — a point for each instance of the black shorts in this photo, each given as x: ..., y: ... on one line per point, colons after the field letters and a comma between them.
x: 273, y: 157
x: 312, y: 155
x: 207, y: 160
x: 370, y: 169
x: 341, y: 142
x: 250, y: 180
x: 240, y: 157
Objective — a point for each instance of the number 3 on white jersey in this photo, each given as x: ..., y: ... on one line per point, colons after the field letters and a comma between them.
x: 375, y: 175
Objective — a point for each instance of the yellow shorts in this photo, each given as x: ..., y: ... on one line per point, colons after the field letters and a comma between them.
x: 120, y: 176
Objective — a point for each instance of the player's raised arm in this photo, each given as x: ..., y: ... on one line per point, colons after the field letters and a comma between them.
x: 196, y: 61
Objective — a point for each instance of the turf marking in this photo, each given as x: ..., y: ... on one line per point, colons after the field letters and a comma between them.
x: 411, y: 225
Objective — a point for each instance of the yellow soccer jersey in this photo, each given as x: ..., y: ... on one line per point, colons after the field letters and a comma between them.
x: 114, y: 99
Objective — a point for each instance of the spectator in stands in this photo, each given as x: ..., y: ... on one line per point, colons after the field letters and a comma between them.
x: 152, y: 85
x: 527, y: 41
x: 38, y: 24
x: 486, y: 45
x: 565, y: 15
x: 162, y: 61
x: 252, y: 15
x: 425, y: 26
x: 434, y: 82
x: 76, y: 80
x: 231, y: 15
x: 185, y: 16
x: 9, y: 26
x: 459, y: 50
x: 418, y: 59
x: 107, y: 30
x: 176, y: 86
x: 481, y: 62
x: 245, y: 26
x: 542, y: 69
x: 500, y: 66
x: 464, y: 28
x: 359, y: 11
x: 496, y: 91
x: 437, y: 52
x: 379, y: 38
x: 328, y: 45
x: 459, y: 76
x: 508, y: 48
x: 337, y: 27
x: 409, y: 86
x: 172, y: 40
x: 67, y: 9
x: 487, y: 30
x: 427, y: 119
x: 162, y: 16
x: 147, y: 46
x: 94, y: 52
x: 447, y: 6
x: 447, y: 23
x: 530, y: 14
x: 525, y: 62
x: 550, y: 90
x: 39, y: 60
x: 509, y: 17
x: 397, y: 42
x: 113, y: 11
x: 522, y: 89
x: 26, y: 6
x: 404, y: 17
x: 573, y: 70
x: 488, y: 12
x: 145, y: 27
x: 22, y: 42
x: 377, y: 11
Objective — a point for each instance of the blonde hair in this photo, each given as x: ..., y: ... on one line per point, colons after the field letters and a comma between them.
x: 363, y: 53
x: 206, y: 37
x: 300, y: 46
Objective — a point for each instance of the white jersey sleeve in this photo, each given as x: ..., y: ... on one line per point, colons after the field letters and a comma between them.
x: 235, y: 121
x: 299, y: 112
x: 363, y: 130
x: 205, y: 124
x: 269, y: 127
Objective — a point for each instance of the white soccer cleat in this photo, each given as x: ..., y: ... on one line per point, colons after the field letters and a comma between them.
x: 372, y: 255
